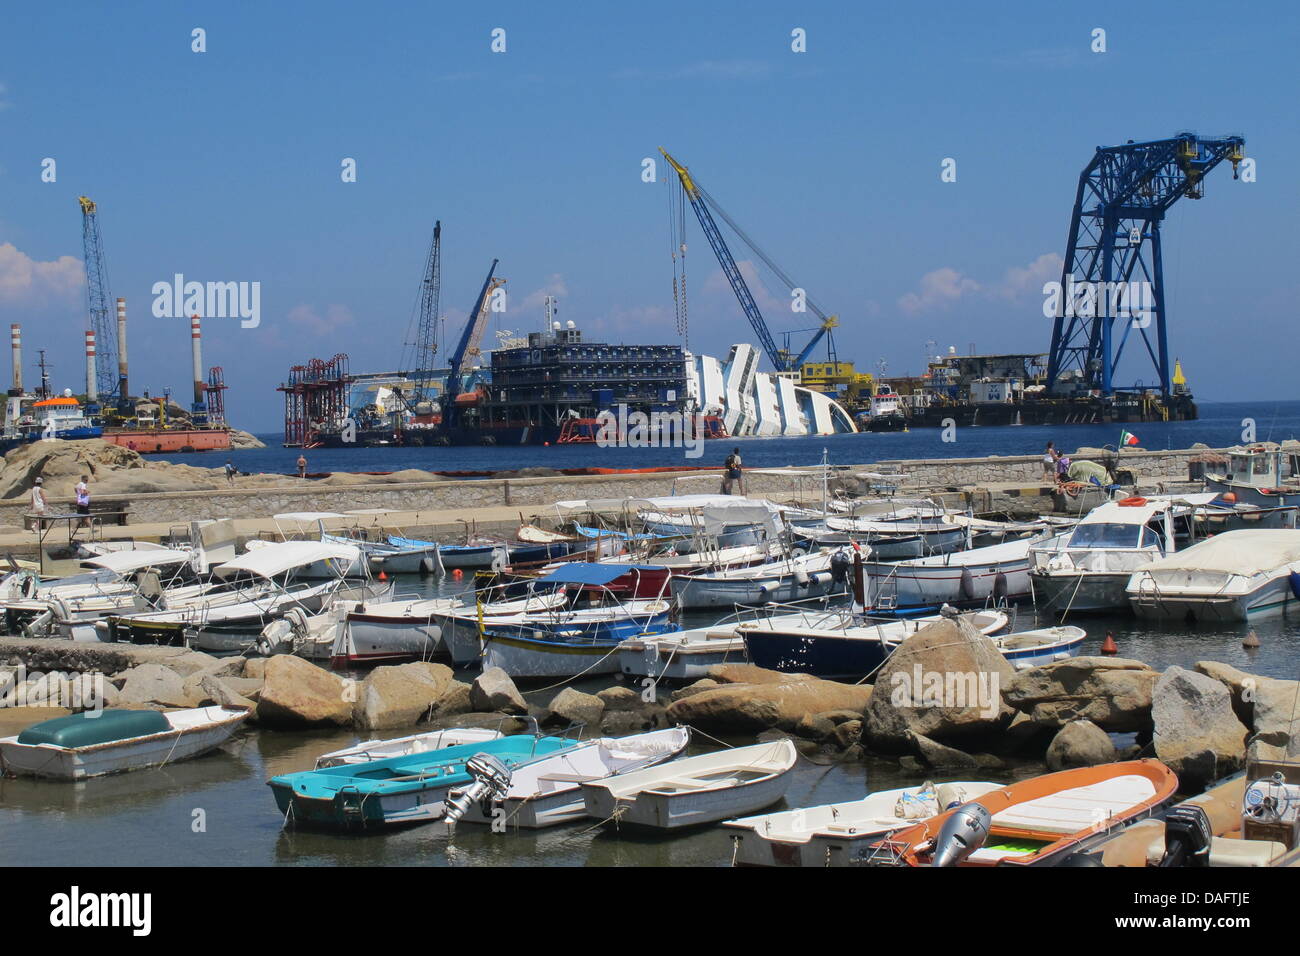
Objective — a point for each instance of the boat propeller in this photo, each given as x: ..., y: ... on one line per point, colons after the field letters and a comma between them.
x: 491, y: 779
x: 962, y: 834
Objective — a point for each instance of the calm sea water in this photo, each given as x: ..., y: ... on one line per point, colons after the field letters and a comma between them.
x: 148, y: 818
x: 1220, y: 425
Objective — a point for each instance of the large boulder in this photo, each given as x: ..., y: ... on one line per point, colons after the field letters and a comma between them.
x: 939, y: 756
x: 60, y: 465
x: 493, y: 690
x: 1112, y: 692
x: 750, y: 708
x: 1275, y: 716
x: 752, y: 674
x: 1080, y: 743
x: 400, y: 696
x: 944, y: 682
x: 571, y: 706
x: 1197, y: 735
x: 222, y: 691
x: 455, y: 699
x: 154, y: 684
x: 298, y: 694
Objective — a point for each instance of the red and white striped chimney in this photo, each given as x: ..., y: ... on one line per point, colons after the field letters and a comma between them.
x: 196, y: 341
x: 123, y: 392
x: 92, y: 383
x: 16, y: 344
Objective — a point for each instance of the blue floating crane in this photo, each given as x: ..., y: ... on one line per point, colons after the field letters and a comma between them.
x: 467, y: 349
x: 781, y: 358
x: 1112, y: 271
x: 99, y: 319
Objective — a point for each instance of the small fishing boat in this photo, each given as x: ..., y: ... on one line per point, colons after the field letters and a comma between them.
x: 416, y: 629
x: 1000, y: 571
x: 94, y: 743
x: 368, y: 750
x: 890, y: 540
x: 475, y: 556
x: 695, y: 790
x: 579, y: 636
x: 401, y: 790
x: 1234, y: 576
x: 791, y: 578
x: 1026, y: 649
x: 1254, y: 476
x: 839, y: 834
x: 1035, y: 822
x: 548, y: 791
x: 314, y: 636
x: 838, y: 644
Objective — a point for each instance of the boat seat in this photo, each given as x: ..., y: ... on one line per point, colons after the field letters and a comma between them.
x: 1070, y: 811
x: 1226, y: 851
x: 567, y: 777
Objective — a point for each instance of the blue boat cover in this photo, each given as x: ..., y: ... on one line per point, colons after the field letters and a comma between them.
x: 578, y: 572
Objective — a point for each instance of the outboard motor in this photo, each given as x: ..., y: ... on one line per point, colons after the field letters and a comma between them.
x: 1187, y: 837
x: 491, y: 780
x: 840, y: 563
x: 962, y: 834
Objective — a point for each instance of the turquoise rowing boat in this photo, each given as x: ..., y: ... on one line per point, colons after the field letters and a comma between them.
x: 399, y: 790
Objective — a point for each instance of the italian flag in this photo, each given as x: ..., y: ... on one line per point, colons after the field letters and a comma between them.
x: 1127, y: 438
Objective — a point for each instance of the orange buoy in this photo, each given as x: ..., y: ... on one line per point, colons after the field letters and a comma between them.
x: 1134, y: 502
x: 1108, y: 646
x: 1229, y: 497
x: 457, y: 573
x: 383, y: 576
x: 1251, y: 640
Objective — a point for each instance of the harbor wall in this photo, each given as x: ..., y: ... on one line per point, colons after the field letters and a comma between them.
x: 957, y: 475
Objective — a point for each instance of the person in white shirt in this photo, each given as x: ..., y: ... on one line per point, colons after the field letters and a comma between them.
x: 83, y: 502
x: 38, y: 498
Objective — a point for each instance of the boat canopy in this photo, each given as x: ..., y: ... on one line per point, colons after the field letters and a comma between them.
x: 125, y: 561
x: 581, y: 572
x: 1114, y: 512
x: 275, y: 559
x: 1246, y: 552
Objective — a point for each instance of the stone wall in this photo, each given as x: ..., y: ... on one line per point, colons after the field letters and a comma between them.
x: 958, y: 472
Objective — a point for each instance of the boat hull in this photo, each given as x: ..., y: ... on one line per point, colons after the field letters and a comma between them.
x: 953, y: 584
x: 1274, y: 598
x: 674, y: 811
x: 372, y: 639
x: 1081, y: 593
x: 829, y: 656
x: 155, y: 441
x: 704, y: 593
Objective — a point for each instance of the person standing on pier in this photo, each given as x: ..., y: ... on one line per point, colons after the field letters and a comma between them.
x: 732, y: 472
x: 231, y: 471
x: 302, y: 466
x: 1049, y: 462
x: 83, y: 503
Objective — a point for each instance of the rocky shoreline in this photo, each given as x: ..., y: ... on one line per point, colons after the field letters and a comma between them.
x: 1204, y: 723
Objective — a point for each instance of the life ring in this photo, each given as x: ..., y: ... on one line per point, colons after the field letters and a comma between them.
x: 1134, y: 502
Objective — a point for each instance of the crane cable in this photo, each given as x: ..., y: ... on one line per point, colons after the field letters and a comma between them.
x: 677, y: 242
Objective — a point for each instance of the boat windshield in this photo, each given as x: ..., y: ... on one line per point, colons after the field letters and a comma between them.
x: 1106, y: 535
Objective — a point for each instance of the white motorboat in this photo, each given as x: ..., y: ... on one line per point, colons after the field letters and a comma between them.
x: 548, y: 791
x: 1234, y: 576
x: 368, y: 750
x: 840, y: 834
x: 695, y: 790
x: 1088, y: 568
x: 791, y: 578
x: 95, y: 743
x: 999, y: 571
x: 257, y: 587
x: 1034, y: 648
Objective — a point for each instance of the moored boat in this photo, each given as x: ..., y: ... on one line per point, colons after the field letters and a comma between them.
x: 95, y: 743
x: 695, y: 790
x: 368, y: 750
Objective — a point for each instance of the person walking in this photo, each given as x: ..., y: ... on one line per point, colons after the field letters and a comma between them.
x: 38, y: 502
x: 732, y: 472
x: 231, y: 471
x: 302, y: 466
x: 1049, y: 462
x: 1062, y: 469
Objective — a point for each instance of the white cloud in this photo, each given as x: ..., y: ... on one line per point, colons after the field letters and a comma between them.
x: 27, y: 281
x: 308, y: 317
x: 554, y: 285
x: 941, y: 288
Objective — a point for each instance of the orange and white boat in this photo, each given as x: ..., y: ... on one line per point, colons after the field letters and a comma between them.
x: 1033, y: 822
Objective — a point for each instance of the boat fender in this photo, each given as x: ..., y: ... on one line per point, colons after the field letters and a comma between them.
x: 1134, y: 502
x: 962, y: 834
x: 801, y: 577
x: 1000, y: 585
x: 821, y: 579
x: 967, y: 584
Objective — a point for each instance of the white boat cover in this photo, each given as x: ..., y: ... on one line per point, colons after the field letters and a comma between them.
x: 126, y: 561
x: 1246, y: 552
x: 275, y: 559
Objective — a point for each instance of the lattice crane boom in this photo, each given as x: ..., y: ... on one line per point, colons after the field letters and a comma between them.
x: 99, y: 318
x: 1113, y: 271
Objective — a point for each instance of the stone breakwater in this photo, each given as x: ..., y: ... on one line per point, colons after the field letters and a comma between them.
x: 1205, y: 722
x: 160, y: 492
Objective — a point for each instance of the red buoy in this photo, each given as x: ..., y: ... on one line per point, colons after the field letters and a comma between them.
x: 457, y: 573
x: 1108, y: 646
x: 383, y: 576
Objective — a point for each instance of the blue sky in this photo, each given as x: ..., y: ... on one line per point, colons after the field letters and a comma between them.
x: 224, y: 166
